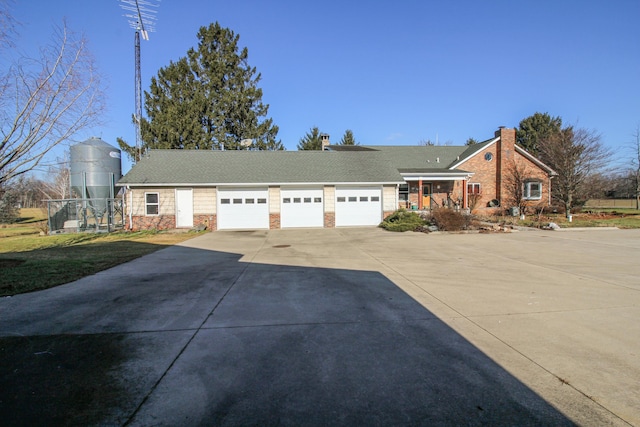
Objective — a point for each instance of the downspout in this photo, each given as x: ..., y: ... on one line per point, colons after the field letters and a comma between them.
x: 130, y: 207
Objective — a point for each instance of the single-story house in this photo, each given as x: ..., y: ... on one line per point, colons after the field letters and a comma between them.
x: 339, y: 186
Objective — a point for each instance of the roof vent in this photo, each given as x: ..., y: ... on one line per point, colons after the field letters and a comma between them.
x: 437, y: 159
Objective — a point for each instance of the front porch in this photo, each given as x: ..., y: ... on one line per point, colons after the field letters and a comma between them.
x: 425, y: 195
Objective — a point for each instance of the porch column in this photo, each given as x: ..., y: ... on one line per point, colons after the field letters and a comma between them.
x: 464, y: 194
x: 420, y: 194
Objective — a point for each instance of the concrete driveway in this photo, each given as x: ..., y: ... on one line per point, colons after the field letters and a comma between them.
x: 336, y: 327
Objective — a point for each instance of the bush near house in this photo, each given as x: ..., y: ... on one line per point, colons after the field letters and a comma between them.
x: 450, y: 220
x: 402, y: 220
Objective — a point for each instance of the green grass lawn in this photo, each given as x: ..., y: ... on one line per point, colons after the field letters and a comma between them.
x: 621, y: 218
x: 30, y: 261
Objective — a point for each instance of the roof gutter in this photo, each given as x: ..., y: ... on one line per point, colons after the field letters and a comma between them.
x: 258, y: 184
x: 438, y: 176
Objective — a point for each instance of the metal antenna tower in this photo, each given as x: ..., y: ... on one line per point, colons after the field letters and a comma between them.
x: 141, y: 16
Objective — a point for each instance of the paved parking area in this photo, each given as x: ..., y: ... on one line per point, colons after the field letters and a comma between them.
x: 337, y: 327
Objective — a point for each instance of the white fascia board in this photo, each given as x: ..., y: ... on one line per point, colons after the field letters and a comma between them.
x: 257, y: 184
x: 454, y: 166
x: 437, y: 177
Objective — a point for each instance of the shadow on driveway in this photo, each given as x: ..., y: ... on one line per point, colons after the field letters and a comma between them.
x: 195, y: 337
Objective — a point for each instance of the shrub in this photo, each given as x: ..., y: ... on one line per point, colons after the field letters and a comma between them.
x: 450, y: 220
x: 9, y: 212
x: 549, y: 210
x: 402, y: 220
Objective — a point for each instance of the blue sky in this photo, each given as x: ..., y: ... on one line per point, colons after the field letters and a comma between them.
x: 395, y: 73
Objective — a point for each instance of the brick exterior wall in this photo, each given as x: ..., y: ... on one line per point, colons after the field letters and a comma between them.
x: 494, y: 175
x: 506, y: 156
x: 485, y: 172
x: 206, y: 220
x: 413, y: 198
x: 329, y: 220
x: 386, y: 214
x: 160, y: 222
x: 274, y: 221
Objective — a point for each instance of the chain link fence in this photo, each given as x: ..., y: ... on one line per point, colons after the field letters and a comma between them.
x: 85, y: 215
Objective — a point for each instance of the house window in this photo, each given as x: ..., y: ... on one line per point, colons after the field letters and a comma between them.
x: 403, y: 192
x: 533, y: 190
x: 473, y: 188
x: 152, y: 203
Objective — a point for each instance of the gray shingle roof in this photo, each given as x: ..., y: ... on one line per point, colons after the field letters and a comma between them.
x: 193, y: 167
x: 419, y: 157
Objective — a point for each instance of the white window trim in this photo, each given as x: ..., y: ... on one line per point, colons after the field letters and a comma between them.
x: 474, y: 184
x: 527, y: 190
x: 147, y: 204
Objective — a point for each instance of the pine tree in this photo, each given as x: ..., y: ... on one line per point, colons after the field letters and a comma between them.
x: 348, y: 138
x: 536, y: 129
x: 311, y: 141
x: 209, y: 99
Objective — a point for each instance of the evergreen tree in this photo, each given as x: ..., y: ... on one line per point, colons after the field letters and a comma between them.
x: 471, y: 141
x: 9, y: 212
x: 311, y: 141
x: 535, y: 129
x: 348, y: 138
x: 207, y: 100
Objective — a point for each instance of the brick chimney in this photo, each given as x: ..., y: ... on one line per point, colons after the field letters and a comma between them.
x: 325, y: 140
x: 506, y: 147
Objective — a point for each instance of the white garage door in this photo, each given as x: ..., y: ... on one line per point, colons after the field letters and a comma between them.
x: 246, y: 208
x: 301, y: 207
x: 358, y: 206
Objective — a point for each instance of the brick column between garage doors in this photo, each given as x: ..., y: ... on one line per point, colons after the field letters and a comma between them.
x: 329, y: 220
x: 274, y: 221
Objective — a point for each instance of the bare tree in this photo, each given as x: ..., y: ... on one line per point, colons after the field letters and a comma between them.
x: 514, y: 183
x: 28, y: 191
x: 59, y: 184
x: 576, y: 154
x: 7, y: 25
x: 45, y: 101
